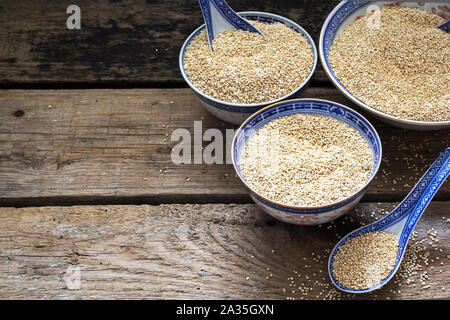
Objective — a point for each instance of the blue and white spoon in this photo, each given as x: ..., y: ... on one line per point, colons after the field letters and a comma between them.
x: 219, y: 17
x: 402, y: 220
x: 445, y: 26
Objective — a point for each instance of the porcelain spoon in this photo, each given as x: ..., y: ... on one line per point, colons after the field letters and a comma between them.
x: 219, y: 17
x: 445, y: 26
x: 402, y: 220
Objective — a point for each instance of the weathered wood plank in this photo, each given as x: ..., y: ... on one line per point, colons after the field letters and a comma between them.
x: 111, y: 146
x: 120, y: 43
x: 193, y: 252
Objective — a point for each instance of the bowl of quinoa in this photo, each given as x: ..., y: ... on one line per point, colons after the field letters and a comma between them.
x: 306, y: 161
x: 247, y: 72
x: 391, y: 60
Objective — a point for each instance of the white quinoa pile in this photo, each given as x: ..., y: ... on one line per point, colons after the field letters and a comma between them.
x: 397, y: 61
x: 366, y: 260
x: 306, y: 160
x: 246, y: 68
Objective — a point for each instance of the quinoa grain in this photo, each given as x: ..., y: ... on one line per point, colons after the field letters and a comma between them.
x: 306, y: 160
x: 246, y: 68
x: 366, y: 260
x: 400, y: 66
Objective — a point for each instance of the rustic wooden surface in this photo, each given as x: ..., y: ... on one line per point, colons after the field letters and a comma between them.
x: 190, y: 252
x: 121, y: 43
x: 110, y: 146
x: 148, y: 228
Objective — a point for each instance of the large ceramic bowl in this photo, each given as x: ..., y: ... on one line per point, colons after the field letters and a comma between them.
x: 234, y: 112
x: 344, y: 14
x: 296, y: 214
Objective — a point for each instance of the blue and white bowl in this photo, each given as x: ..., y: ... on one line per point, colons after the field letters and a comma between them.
x: 296, y: 214
x: 234, y: 112
x: 344, y: 14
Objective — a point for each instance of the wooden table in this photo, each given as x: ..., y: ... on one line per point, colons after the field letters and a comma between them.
x: 88, y: 190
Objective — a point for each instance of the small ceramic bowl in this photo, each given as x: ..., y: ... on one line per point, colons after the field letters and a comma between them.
x: 234, y: 112
x: 344, y: 14
x: 306, y: 215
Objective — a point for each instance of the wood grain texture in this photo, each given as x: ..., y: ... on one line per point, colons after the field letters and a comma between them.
x: 120, y: 43
x: 114, y: 147
x: 191, y: 252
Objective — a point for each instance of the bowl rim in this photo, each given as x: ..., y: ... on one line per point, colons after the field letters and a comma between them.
x: 251, y: 105
x: 339, y: 203
x: 352, y: 97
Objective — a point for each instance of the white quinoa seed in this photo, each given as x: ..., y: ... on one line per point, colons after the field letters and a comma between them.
x: 366, y: 260
x: 246, y: 68
x: 401, y: 68
x: 306, y: 160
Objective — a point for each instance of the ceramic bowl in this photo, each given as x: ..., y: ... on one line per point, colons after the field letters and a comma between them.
x: 234, y: 112
x: 306, y: 215
x: 344, y: 14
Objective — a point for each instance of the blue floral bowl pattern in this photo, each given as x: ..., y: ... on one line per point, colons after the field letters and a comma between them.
x: 237, y: 113
x: 306, y: 215
x: 344, y: 14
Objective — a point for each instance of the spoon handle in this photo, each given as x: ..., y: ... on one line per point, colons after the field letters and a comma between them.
x: 219, y: 16
x: 232, y: 17
x: 422, y: 194
x: 415, y: 203
x: 206, y: 11
x: 445, y: 26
